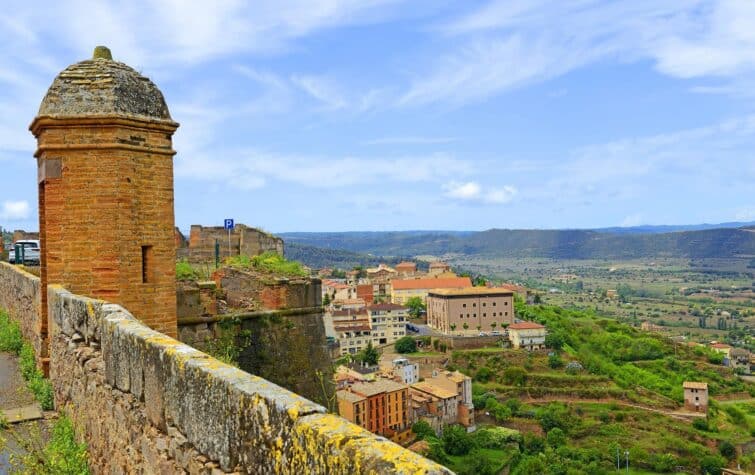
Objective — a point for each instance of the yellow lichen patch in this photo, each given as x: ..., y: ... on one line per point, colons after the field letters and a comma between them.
x: 90, y: 309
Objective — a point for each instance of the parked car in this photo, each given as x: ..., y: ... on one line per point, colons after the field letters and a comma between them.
x: 30, y: 255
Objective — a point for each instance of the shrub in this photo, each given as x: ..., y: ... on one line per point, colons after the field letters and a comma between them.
x: 736, y: 415
x: 556, y: 437
x: 700, y: 424
x: 495, y: 437
x: 269, y: 262
x: 664, y: 463
x: 422, y: 429
x: 555, y: 361
x: 405, y: 345
x: 712, y: 464
x: 456, y: 440
x: 515, y: 375
x: 185, y: 271
x: 727, y: 449
x: 483, y: 374
x: 573, y: 367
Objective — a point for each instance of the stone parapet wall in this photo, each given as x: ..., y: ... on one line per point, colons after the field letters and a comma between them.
x: 249, y: 290
x: 147, y: 403
x: 20, y: 296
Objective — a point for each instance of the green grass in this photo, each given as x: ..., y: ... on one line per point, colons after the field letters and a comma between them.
x: 61, y: 454
x: 270, y: 263
x: 12, y: 341
x: 185, y: 271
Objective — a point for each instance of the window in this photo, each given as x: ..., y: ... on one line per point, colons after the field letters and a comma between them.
x: 464, y: 305
x: 461, y: 315
x: 147, y: 264
x: 506, y: 303
x: 494, y: 314
x: 494, y: 304
x: 483, y: 304
x: 484, y: 314
x: 474, y: 304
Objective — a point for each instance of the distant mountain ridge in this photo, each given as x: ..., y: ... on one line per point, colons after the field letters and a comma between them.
x: 556, y: 244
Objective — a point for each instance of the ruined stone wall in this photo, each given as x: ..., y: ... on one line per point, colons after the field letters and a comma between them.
x: 286, y: 347
x: 20, y: 297
x: 21, y: 235
x: 200, y: 247
x: 247, y: 289
x: 146, y: 403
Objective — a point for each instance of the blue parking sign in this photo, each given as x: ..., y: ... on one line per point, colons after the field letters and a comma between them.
x: 228, y: 224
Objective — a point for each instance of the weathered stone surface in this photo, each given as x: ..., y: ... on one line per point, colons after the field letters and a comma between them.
x: 147, y: 403
x: 20, y: 297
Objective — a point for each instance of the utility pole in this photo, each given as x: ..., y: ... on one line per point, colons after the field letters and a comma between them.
x: 618, y: 460
x: 627, y: 456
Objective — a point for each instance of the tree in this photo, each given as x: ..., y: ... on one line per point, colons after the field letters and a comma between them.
x: 466, y: 326
x: 405, y: 344
x: 554, y: 361
x: 556, y: 437
x: 727, y: 449
x: 538, y: 299
x: 326, y: 300
x: 712, y: 464
x: 483, y: 374
x: 515, y: 375
x: 554, y: 339
x: 370, y: 355
x: 416, y: 306
x: 456, y: 441
x: 453, y: 327
x: 422, y: 429
x: 493, y: 325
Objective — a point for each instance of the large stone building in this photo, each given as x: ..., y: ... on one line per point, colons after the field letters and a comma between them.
x: 105, y: 171
x: 388, y: 322
x: 470, y: 310
x: 200, y: 246
x: 404, y: 289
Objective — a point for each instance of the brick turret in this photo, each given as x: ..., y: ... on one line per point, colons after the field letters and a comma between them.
x: 105, y: 161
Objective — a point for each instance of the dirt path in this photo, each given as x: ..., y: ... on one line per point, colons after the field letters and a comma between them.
x: 13, y: 390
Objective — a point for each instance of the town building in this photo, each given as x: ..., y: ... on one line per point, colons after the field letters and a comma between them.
x: 337, y: 290
x: 353, y: 304
x: 445, y: 398
x: 527, y: 335
x: 722, y: 348
x: 471, y: 310
x: 388, y: 322
x: 404, y: 289
x: 405, y: 371
x: 351, y: 328
x: 365, y: 292
x: 381, y: 407
x: 382, y: 271
x: 437, y: 268
x: 696, y: 396
x: 406, y: 269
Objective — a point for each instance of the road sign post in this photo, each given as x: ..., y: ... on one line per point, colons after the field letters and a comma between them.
x: 228, y: 224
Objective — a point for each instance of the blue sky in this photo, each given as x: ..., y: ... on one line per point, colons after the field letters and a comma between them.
x: 387, y: 114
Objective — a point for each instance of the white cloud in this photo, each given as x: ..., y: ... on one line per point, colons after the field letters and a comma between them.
x: 507, y: 44
x: 322, y: 89
x: 257, y: 168
x: 15, y: 210
x: 473, y: 192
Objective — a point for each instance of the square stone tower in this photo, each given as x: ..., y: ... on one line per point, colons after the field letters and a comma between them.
x: 105, y: 161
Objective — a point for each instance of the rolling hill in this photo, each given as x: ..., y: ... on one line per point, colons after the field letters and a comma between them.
x: 556, y: 244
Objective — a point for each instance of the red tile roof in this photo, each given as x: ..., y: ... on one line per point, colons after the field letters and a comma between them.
x: 525, y: 326
x: 445, y: 283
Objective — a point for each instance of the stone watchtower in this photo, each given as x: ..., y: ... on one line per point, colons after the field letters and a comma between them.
x: 105, y: 161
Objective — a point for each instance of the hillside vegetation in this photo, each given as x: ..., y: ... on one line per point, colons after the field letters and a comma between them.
x: 556, y: 244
